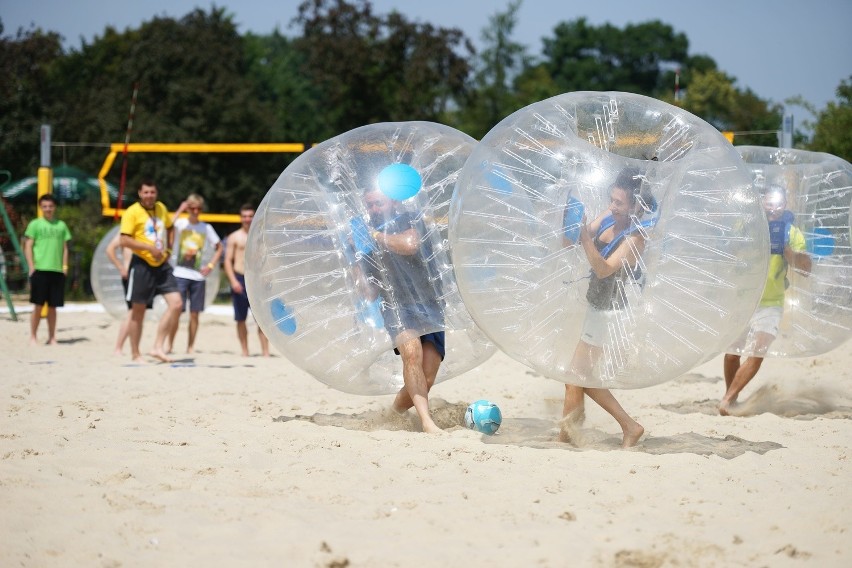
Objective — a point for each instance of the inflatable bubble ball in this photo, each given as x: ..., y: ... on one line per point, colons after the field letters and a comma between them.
x: 807, y: 198
x: 108, y: 290
x: 347, y: 256
x: 607, y: 239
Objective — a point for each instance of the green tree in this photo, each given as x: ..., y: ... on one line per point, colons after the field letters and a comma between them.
x: 193, y: 87
x: 25, y: 96
x: 713, y: 96
x: 492, y: 95
x: 277, y: 71
x: 834, y: 124
x: 369, y: 68
x: 636, y: 59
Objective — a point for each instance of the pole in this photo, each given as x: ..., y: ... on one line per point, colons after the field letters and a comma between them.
x: 126, y: 144
x: 677, y: 85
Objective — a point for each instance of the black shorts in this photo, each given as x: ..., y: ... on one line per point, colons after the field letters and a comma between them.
x: 145, y: 281
x: 47, y: 286
x: 124, y: 283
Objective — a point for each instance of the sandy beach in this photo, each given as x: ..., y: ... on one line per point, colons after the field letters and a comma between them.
x: 220, y: 460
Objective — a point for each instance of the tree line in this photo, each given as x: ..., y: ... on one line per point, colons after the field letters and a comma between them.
x: 346, y: 66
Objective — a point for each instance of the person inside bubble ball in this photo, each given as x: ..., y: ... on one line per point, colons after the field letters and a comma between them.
x: 613, y: 244
x: 401, y: 275
x: 786, y: 248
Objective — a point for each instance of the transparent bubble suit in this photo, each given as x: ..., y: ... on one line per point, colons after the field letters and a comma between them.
x: 106, y: 281
x: 817, y: 306
x: 704, y: 260
x: 303, y: 263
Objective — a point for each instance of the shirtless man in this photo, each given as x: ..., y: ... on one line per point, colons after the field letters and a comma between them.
x: 235, y: 269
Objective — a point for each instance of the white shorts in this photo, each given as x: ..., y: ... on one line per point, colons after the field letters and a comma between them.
x: 600, y: 326
x: 767, y: 320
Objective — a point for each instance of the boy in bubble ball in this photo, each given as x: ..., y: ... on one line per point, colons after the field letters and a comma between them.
x: 787, y: 248
x: 396, y: 267
x: 612, y: 243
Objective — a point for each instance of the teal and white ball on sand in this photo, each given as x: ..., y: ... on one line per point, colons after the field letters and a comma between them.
x: 323, y: 290
x: 483, y: 416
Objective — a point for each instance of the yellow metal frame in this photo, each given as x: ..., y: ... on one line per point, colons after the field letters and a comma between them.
x: 117, y: 148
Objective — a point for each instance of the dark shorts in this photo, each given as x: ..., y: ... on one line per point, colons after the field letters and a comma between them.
x: 146, y: 281
x: 414, y: 317
x: 194, y: 290
x: 47, y: 286
x: 240, y: 301
x: 124, y: 282
x: 436, y: 338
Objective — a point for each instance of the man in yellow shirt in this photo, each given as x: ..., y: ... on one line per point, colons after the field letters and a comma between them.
x: 787, y: 248
x: 146, y: 229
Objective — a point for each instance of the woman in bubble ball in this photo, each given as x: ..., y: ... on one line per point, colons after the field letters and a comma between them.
x: 613, y: 245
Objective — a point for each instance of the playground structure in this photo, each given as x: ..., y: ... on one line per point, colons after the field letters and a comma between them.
x: 7, y: 229
x: 116, y: 148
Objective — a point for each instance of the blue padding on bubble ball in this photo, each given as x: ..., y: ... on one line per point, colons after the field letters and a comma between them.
x: 361, y: 238
x: 283, y: 316
x: 820, y: 242
x: 399, y: 181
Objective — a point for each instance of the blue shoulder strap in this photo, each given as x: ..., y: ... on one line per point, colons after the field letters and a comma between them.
x: 607, y: 250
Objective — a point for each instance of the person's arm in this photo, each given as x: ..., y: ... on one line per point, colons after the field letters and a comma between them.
x: 112, y: 255
x: 795, y: 252
x: 800, y: 261
x: 406, y: 243
x: 229, y: 265
x: 217, y: 254
x: 627, y: 252
x: 65, y: 258
x: 130, y: 243
x: 28, y: 254
x: 181, y: 208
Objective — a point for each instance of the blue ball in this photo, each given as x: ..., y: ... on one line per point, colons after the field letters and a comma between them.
x: 483, y: 416
x: 399, y: 181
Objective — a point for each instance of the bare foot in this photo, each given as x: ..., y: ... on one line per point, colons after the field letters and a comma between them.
x: 162, y: 357
x: 117, y: 353
x: 52, y: 342
x: 725, y: 407
x: 431, y: 428
x: 632, y: 435
x: 33, y: 341
x: 569, y: 428
x: 189, y: 350
x: 576, y: 416
x: 138, y: 359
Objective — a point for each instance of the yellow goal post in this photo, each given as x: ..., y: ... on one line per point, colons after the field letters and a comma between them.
x: 119, y: 148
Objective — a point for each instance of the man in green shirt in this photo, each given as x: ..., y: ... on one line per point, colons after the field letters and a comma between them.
x: 46, y: 250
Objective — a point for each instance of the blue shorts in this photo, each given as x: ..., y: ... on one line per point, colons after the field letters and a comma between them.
x: 416, y: 317
x: 194, y: 290
x: 240, y: 301
x: 436, y: 338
